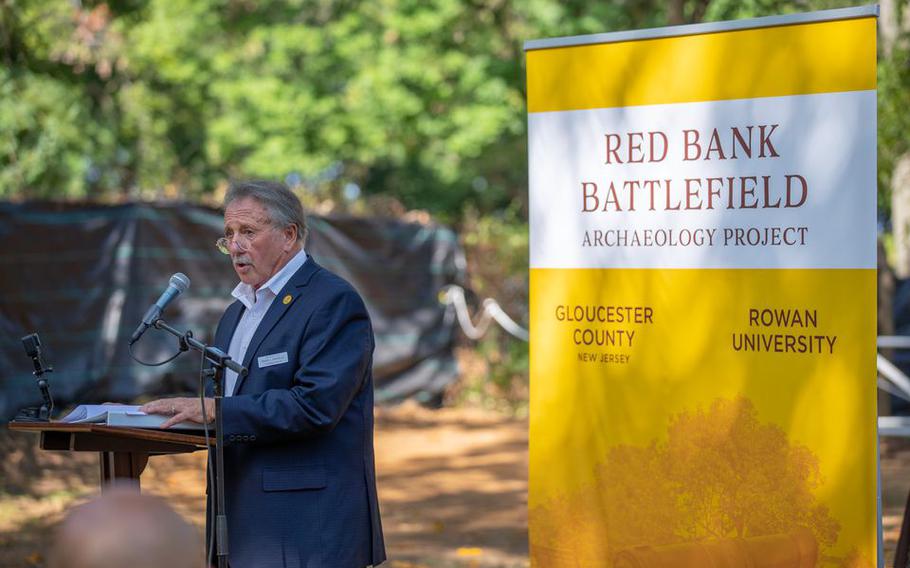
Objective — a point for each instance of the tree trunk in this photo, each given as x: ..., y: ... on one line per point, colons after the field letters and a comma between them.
x: 900, y: 215
x: 893, y: 19
x: 886, y: 285
x: 675, y: 12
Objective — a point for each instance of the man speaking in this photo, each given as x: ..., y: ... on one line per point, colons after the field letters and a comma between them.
x: 299, y: 479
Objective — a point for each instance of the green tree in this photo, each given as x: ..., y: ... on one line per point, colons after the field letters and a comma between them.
x: 421, y: 100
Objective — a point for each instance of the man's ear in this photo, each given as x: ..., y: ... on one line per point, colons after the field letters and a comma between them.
x: 290, y: 232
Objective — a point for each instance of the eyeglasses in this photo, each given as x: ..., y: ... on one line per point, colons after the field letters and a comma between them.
x: 242, y: 241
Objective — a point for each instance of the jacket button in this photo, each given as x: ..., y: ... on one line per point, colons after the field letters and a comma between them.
x: 253, y: 438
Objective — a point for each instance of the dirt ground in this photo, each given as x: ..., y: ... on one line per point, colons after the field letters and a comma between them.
x: 452, y: 484
x: 452, y: 488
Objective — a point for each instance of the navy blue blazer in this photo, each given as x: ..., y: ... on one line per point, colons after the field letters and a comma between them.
x: 300, y: 481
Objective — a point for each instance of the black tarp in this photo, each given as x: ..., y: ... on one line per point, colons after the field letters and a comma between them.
x: 83, y: 275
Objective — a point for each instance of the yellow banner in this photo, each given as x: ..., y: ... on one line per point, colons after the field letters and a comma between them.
x: 702, y: 302
x: 662, y: 414
x: 790, y: 60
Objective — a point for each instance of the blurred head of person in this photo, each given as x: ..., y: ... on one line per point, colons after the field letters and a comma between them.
x: 123, y: 528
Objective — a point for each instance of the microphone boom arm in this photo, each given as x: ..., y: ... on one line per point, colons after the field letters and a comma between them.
x: 213, y: 355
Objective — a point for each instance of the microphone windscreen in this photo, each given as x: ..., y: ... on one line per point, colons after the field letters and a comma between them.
x: 32, y: 344
x: 180, y: 281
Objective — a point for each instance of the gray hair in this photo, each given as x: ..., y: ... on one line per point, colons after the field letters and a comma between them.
x: 283, y: 206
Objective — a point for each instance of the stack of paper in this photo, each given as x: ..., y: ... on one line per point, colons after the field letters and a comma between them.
x: 121, y: 415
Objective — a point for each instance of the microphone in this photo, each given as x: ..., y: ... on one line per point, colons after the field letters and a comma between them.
x: 178, y: 283
x: 32, y: 344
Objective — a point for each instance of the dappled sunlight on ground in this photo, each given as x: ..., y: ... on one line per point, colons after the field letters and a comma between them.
x: 452, y: 488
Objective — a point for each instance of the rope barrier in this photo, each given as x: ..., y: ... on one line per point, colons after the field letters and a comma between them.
x: 453, y: 295
x: 895, y: 381
x: 890, y: 378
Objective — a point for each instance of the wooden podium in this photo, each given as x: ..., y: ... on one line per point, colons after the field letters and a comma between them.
x: 123, y: 452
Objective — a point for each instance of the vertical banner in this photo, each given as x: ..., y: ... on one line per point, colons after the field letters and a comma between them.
x: 703, y: 225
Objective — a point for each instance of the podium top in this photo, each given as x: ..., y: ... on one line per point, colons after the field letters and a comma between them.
x: 197, y: 441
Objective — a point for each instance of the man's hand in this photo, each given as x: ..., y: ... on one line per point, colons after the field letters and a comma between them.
x: 180, y: 409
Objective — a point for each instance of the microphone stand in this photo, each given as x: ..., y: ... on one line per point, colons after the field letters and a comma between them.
x: 43, y: 413
x: 219, y: 360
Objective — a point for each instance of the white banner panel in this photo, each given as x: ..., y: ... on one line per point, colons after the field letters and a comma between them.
x: 749, y: 183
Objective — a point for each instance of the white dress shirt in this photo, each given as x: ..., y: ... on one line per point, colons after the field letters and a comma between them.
x: 257, y: 303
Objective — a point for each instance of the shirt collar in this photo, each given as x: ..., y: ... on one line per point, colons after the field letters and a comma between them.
x: 245, y: 293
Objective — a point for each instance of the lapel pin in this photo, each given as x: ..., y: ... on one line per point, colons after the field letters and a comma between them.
x: 287, y: 299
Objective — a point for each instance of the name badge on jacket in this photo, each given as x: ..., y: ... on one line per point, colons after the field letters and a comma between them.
x: 274, y: 359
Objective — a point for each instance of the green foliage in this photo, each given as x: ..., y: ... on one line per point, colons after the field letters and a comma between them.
x: 894, y: 120
x: 41, y: 143
x: 421, y: 100
x: 496, y: 247
x: 493, y: 375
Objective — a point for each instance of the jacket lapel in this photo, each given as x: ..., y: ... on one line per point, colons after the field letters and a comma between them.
x: 280, y: 306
